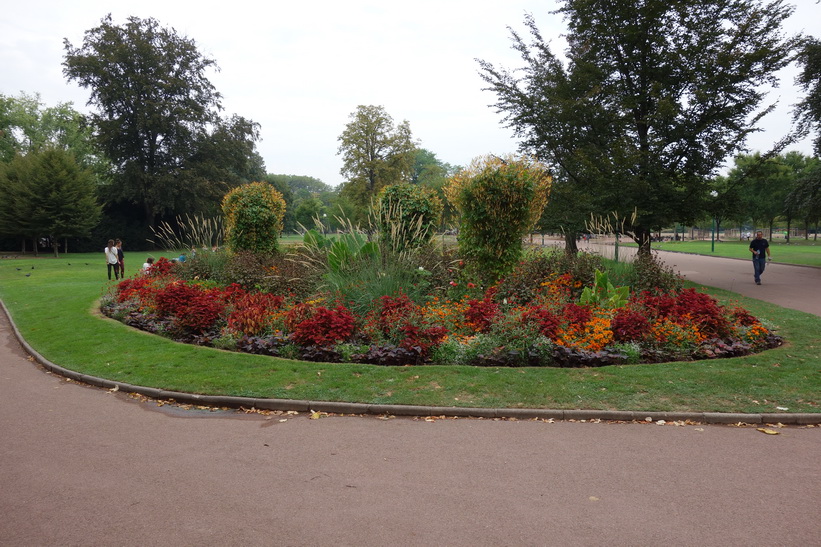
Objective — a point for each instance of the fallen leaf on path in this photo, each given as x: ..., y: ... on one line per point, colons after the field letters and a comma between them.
x: 768, y: 431
x: 316, y: 415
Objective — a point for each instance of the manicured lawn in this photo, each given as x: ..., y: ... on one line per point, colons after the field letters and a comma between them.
x: 55, y: 309
x: 798, y: 251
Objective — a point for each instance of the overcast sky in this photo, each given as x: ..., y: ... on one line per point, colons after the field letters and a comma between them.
x: 300, y: 68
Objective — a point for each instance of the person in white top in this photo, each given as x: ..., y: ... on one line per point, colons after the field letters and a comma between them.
x: 112, y: 260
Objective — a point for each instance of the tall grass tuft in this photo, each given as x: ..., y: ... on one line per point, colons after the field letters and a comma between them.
x: 191, y: 232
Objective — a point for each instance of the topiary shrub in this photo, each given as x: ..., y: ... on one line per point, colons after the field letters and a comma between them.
x: 253, y: 217
x: 500, y: 200
x: 407, y: 215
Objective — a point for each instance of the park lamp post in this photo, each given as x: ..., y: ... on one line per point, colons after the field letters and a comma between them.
x: 713, y: 237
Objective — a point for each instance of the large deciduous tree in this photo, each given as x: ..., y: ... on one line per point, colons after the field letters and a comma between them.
x: 808, y: 111
x: 157, y: 116
x: 652, y: 98
x: 375, y: 153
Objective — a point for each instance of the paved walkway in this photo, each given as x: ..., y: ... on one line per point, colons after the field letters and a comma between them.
x: 85, y: 466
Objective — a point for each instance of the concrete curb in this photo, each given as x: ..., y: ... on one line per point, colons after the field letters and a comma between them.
x: 335, y: 407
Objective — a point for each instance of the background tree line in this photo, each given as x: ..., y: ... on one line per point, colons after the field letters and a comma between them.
x: 635, y: 120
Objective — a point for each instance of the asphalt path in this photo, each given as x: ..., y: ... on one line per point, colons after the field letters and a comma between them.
x: 86, y: 466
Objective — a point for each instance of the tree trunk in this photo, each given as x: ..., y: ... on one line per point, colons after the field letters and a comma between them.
x: 642, y: 237
x: 570, y: 246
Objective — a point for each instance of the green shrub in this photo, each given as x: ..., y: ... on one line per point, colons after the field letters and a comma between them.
x: 253, y: 217
x: 499, y: 200
x: 649, y: 274
x: 249, y: 269
x: 204, y: 265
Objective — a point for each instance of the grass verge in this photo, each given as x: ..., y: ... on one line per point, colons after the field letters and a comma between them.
x: 54, y: 309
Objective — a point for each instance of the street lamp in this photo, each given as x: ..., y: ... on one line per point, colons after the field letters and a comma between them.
x: 713, y: 238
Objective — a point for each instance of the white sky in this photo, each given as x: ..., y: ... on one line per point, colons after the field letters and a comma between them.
x: 300, y: 68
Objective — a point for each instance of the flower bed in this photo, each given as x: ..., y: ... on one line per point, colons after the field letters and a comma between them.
x: 549, y: 326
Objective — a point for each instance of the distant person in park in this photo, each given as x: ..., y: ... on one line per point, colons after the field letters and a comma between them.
x: 758, y: 247
x: 148, y: 263
x: 112, y: 260
x: 120, y: 257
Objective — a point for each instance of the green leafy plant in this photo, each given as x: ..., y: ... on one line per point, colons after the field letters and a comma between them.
x: 604, y: 294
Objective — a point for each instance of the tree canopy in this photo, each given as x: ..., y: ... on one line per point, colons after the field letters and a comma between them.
x: 28, y: 125
x: 808, y: 111
x: 652, y: 98
x: 375, y: 153
x: 157, y: 116
x: 47, y: 194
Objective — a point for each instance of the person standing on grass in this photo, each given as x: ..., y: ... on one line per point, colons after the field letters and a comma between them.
x: 758, y: 247
x: 112, y: 260
x: 120, y: 258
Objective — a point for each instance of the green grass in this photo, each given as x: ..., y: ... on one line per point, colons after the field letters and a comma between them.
x: 798, y: 251
x: 55, y: 310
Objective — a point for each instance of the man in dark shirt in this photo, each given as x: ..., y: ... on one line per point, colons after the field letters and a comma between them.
x: 758, y: 246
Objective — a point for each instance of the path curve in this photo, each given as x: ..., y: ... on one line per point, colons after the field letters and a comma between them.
x: 86, y: 466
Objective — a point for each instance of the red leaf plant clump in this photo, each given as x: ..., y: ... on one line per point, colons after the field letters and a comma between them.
x: 324, y: 326
x: 481, y: 313
x: 252, y: 312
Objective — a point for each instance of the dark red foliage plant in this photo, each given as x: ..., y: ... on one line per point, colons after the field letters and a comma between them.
x: 252, y: 311
x: 174, y: 296
x: 201, y: 312
x: 161, y: 268
x: 422, y: 338
x: 481, y: 313
x: 324, y: 327
x: 547, y: 321
x: 136, y: 287
x: 576, y: 314
x: 629, y: 325
x: 394, y: 310
x: 689, y: 306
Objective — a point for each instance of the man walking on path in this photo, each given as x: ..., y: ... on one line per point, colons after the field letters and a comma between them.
x: 758, y: 246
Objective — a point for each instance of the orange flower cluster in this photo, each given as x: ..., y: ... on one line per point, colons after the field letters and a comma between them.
x: 559, y: 287
x: 446, y: 313
x: 595, y: 335
x: 666, y: 331
x: 754, y: 334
